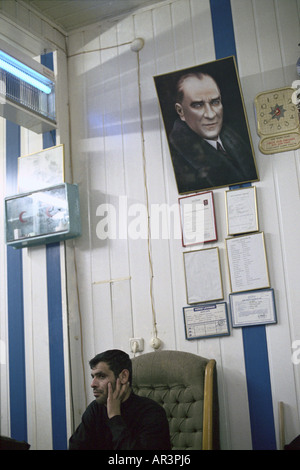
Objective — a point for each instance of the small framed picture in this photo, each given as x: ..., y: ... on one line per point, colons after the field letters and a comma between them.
x: 197, y: 215
x: 241, y: 211
x: 206, y: 321
x: 253, y: 308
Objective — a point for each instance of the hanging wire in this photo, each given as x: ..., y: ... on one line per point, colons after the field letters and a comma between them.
x: 147, y: 201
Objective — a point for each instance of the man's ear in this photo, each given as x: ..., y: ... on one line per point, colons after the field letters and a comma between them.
x: 179, y: 111
x: 124, y: 376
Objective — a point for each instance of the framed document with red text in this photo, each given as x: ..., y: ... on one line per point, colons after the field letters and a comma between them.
x: 197, y: 216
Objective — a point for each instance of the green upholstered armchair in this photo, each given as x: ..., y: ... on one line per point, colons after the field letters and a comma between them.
x: 185, y: 385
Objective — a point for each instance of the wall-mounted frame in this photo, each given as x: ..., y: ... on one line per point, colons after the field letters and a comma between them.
x: 203, y: 275
x: 253, y: 308
x: 198, y: 164
x: 41, y: 169
x: 198, y: 221
x: 206, y: 321
x: 241, y: 211
x: 247, y: 262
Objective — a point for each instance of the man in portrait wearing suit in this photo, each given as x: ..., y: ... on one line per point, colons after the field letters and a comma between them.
x: 206, y: 153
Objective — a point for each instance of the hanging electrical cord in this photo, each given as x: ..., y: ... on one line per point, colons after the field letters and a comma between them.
x: 136, y: 46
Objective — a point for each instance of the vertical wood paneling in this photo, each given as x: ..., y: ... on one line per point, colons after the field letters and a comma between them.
x: 4, y: 371
x: 159, y: 250
x: 36, y: 331
x: 116, y: 248
x: 81, y: 324
x: 265, y: 25
x: 37, y: 352
x: 202, y: 31
x: 163, y: 39
x: 67, y: 266
x: 184, y: 57
x: 26, y: 297
x: 287, y: 15
x: 109, y: 136
x: 183, y: 34
x: 21, y: 21
x: 134, y: 180
x: 268, y: 21
x: 165, y: 61
x: 245, y: 37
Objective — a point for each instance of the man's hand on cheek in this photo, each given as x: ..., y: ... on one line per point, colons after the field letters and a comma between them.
x: 115, y: 398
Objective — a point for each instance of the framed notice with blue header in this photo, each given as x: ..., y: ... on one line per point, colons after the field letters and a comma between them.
x: 206, y: 320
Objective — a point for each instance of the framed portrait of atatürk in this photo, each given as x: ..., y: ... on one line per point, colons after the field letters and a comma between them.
x: 206, y: 126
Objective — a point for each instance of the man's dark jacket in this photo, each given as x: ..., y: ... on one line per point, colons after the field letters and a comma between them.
x: 143, y: 425
x: 198, y: 165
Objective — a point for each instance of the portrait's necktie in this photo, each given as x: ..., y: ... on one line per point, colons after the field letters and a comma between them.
x: 221, y: 149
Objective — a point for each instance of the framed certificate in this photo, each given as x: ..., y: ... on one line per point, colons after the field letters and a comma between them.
x: 247, y: 262
x: 253, y: 308
x: 203, y: 276
x: 197, y: 215
x: 41, y: 170
x: 206, y: 321
x: 241, y: 211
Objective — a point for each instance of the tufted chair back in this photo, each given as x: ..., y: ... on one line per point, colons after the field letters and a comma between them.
x: 185, y: 385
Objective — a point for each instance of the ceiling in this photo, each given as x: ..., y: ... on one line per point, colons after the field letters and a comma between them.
x: 74, y: 14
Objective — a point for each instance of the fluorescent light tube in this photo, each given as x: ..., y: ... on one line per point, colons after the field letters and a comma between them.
x: 21, y: 71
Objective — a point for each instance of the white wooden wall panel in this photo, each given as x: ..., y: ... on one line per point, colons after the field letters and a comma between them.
x: 275, y: 66
x: 28, y: 26
x: 4, y: 369
x: 109, y: 155
x: 81, y: 325
x: 265, y: 23
x: 36, y: 346
x: 202, y: 31
x: 109, y: 136
x: 18, y: 26
x: 288, y: 30
x: 36, y: 306
x: 36, y: 330
x: 160, y: 256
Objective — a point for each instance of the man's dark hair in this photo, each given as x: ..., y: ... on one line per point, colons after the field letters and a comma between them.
x: 179, y: 91
x: 116, y: 359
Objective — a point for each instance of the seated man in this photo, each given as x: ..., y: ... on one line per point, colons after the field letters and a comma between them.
x: 118, y: 419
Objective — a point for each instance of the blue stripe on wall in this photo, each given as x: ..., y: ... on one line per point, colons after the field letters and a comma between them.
x: 254, y: 338
x: 58, y: 403
x: 17, y: 379
x: 259, y: 388
x: 57, y: 374
x: 222, y: 28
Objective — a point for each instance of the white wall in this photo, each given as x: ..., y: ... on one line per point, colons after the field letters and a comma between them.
x: 32, y: 36
x: 118, y: 148
x: 114, y: 141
